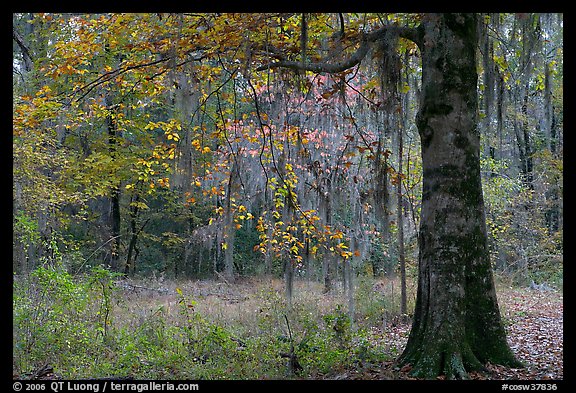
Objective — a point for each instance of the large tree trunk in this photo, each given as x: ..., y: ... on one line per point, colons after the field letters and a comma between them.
x: 457, y: 325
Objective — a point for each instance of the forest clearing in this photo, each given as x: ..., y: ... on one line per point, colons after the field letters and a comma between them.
x: 293, y: 196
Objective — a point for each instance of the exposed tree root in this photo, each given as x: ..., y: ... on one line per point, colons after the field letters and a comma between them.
x: 453, y: 363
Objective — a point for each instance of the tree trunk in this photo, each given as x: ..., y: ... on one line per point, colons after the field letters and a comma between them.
x: 289, y: 280
x: 115, y: 217
x: 400, y: 222
x: 457, y: 325
x: 229, y: 227
x: 381, y: 200
x: 527, y: 165
x: 328, y: 258
x: 349, y: 264
x: 129, y: 266
x: 289, y: 263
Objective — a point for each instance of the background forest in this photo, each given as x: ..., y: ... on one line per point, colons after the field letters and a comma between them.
x: 182, y: 211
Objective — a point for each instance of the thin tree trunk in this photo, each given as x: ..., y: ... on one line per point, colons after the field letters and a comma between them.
x: 129, y: 266
x: 328, y: 258
x: 400, y: 222
x: 349, y: 282
x: 488, y: 96
x: 553, y: 212
x: 381, y: 200
x: 500, y: 110
x: 230, y: 232
x: 115, y: 217
x: 528, y: 166
x: 229, y: 227
x: 289, y: 265
x: 289, y: 280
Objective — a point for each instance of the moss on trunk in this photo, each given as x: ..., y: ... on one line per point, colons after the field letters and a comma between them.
x: 457, y: 326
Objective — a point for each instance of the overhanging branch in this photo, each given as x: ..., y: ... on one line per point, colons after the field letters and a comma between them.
x: 355, y: 58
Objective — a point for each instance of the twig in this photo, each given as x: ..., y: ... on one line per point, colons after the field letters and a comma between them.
x: 223, y: 278
x: 95, y: 251
x: 126, y: 285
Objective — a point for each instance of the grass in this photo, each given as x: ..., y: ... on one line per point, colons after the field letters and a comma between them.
x: 97, y: 326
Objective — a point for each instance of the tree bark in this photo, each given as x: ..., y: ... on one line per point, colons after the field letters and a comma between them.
x: 457, y: 325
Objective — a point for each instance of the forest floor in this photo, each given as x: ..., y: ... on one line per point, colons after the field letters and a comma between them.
x: 533, y: 320
x: 252, y: 313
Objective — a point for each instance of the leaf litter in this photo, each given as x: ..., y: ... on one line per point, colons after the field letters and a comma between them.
x: 534, y: 323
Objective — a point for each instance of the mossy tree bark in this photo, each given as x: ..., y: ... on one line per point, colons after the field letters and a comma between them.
x: 457, y: 325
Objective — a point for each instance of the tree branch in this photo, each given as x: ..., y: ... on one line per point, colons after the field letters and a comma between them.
x: 23, y: 48
x: 355, y: 58
x: 332, y: 68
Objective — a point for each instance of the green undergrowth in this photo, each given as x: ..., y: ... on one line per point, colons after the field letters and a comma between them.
x: 88, y: 327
